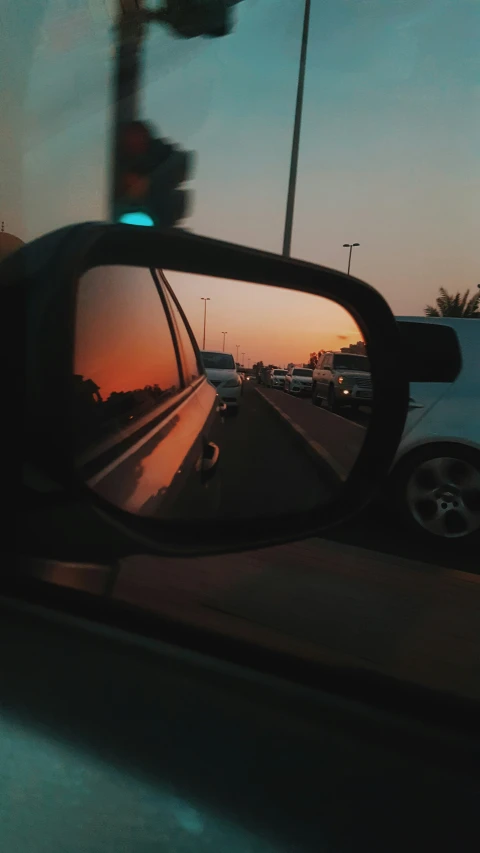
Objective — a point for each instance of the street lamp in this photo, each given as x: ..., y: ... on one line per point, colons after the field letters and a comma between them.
x: 205, y: 299
x: 238, y: 347
x: 350, y: 246
x: 224, y: 336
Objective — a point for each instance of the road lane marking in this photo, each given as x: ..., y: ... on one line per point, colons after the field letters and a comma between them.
x: 317, y: 448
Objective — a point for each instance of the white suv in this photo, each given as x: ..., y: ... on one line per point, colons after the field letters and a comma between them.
x: 342, y: 379
x: 222, y: 373
x: 435, y: 481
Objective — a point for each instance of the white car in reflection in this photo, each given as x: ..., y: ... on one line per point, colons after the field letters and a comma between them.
x: 299, y: 380
x: 435, y: 481
x: 222, y: 373
x: 276, y: 378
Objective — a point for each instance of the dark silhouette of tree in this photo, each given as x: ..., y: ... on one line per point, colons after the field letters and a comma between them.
x: 449, y: 305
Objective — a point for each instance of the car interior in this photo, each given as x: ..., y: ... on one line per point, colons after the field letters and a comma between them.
x: 193, y: 659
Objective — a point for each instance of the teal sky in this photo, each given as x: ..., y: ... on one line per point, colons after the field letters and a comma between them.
x: 390, y: 141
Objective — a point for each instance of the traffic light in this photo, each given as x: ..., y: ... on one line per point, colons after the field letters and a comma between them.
x: 193, y: 18
x: 149, y: 175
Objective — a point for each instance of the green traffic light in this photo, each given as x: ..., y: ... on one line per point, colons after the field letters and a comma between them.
x: 137, y: 218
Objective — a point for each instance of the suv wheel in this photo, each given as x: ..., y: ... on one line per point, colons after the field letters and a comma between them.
x: 316, y: 400
x: 331, y: 400
x: 436, y: 491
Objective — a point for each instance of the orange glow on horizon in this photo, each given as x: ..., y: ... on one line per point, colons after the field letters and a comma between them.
x: 121, y: 331
x: 269, y: 324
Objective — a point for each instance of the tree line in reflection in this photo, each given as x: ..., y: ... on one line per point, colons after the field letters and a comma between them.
x: 95, y: 418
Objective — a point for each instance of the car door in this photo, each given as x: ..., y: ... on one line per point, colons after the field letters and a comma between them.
x: 433, y: 359
x: 146, y: 448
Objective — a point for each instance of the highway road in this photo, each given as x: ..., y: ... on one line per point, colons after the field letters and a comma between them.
x: 264, y: 469
x: 263, y: 466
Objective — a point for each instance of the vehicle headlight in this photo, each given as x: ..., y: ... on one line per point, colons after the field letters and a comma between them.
x: 340, y: 380
x: 232, y: 383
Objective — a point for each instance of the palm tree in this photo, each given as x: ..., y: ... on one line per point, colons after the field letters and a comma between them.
x: 448, y: 305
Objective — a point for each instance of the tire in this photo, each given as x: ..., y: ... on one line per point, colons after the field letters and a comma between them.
x: 332, y: 404
x: 435, y: 493
x: 316, y: 399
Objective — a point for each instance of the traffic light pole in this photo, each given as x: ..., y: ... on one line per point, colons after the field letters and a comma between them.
x: 129, y: 34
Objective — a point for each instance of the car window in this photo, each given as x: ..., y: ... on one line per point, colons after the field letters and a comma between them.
x: 218, y: 361
x: 302, y: 372
x: 191, y: 368
x: 386, y: 189
x: 279, y: 372
x: 351, y: 362
x: 431, y: 353
x: 118, y: 377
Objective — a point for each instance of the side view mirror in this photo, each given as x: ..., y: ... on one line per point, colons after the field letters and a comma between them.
x: 138, y: 440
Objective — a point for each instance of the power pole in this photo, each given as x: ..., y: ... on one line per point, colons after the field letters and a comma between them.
x: 205, y: 299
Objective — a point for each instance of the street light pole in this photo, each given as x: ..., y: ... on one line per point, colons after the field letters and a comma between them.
x: 224, y: 336
x: 243, y: 359
x: 292, y: 181
x: 205, y: 299
x: 238, y: 347
x: 350, y: 246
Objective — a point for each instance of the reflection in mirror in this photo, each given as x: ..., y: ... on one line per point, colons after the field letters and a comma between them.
x: 196, y: 397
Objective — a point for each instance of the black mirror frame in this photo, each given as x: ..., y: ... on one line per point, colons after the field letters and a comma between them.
x: 47, y: 271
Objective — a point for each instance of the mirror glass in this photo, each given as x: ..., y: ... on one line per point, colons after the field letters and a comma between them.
x: 197, y: 397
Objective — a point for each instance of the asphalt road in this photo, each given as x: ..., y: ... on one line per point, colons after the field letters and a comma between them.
x: 264, y: 470
x: 336, y: 438
x: 376, y: 528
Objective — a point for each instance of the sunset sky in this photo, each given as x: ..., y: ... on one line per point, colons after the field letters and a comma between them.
x: 390, y: 139
x: 122, y: 341
x: 121, y: 331
x: 269, y: 324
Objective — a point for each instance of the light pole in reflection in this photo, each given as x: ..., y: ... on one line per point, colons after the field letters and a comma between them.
x: 292, y: 180
x: 351, y: 247
x: 224, y: 336
x: 205, y: 299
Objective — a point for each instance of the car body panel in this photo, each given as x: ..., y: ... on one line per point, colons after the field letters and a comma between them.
x: 446, y: 411
x: 149, y: 477
x: 153, y: 457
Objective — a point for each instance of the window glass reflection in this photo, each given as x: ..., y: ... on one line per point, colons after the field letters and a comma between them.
x: 191, y: 370
x: 124, y: 359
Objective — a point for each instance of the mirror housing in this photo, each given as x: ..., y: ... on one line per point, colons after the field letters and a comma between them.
x: 42, y: 278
